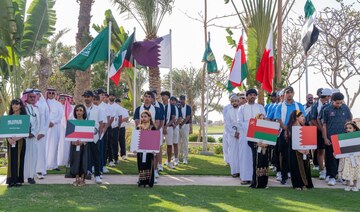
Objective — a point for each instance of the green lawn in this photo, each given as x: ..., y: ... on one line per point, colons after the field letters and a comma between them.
x: 173, y: 198
x: 198, y: 165
x: 211, y: 129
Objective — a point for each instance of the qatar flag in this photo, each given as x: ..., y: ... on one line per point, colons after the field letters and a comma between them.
x: 304, y: 137
x: 145, y: 141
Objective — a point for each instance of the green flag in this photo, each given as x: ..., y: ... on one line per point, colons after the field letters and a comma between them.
x: 95, y: 51
x: 209, y: 58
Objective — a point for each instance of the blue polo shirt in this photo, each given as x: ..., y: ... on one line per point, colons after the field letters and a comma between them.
x: 188, y: 112
x: 157, y: 113
x: 335, y: 119
x: 271, y: 111
x: 290, y: 108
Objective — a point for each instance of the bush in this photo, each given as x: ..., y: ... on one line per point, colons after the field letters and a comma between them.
x: 218, y: 149
x: 211, y: 139
x: 220, y: 139
x: 193, y: 137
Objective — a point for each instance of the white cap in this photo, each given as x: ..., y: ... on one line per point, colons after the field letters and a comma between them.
x: 335, y: 90
x: 326, y: 92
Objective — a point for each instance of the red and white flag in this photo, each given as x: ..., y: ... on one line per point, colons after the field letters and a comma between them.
x: 145, y: 141
x: 304, y: 137
x: 265, y: 73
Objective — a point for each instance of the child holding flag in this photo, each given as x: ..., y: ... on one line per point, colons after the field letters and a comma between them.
x: 349, y: 170
x: 299, y: 167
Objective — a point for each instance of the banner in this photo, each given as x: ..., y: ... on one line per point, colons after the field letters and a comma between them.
x: 304, y: 137
x: 14, y: 126
x: 145, y: 141
x: 82, y: 130
x: 263, y: 131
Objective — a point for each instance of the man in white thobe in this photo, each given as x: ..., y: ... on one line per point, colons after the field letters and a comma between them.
x: 41, y: 144
x: 53, y: 133
x: 31, y: 142
x: 246, y: 112
x: 225, y: 133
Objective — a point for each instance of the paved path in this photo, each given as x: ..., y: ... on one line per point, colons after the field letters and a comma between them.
x: 170, y: 180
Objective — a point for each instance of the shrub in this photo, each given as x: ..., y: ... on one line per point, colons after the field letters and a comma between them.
x: 193, y: 137
x: 211, y: 139
x: 218, y: 149
x: 220, y: 139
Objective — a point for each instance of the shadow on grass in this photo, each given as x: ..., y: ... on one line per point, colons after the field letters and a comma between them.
x: 178, y: 198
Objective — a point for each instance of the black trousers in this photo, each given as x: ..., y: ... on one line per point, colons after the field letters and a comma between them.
x: 108, y: 155
x: 122, y: 132
x: 284, y: 156
x: 330, y: 162
x: 94, y: 157
x: 114, y: 137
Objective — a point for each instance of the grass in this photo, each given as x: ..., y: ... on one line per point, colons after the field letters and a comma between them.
x: 214, y: 129
x: 173, y: 198
x: 198, y: 165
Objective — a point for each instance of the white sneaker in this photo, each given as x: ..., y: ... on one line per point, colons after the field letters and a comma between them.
x: 278, y: 176
x: 327, y: 178
x: 170, y: 165
x: 101, y: 176
x: 332, y: 182
x: 348, y: 188
x: 160, y: 168
x: 105, y: 170
x: 156, y: 174
x: 123, y: 157
x: 111, y: 164
x: 98, y: 180
x: 356, y: 189
x: 176, y: 161
x: 185, y: 161
x: 40, y: 176
x: 322, y: 175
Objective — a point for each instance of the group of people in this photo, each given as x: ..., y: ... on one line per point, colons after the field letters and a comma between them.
x: 46, y: 149
x: 250, y: 161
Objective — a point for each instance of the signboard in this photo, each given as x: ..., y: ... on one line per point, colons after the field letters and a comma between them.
x: 304, y: 137
x: 145, y: 141
x: 14, y: 126
x: 82, y: 130
x: 263, y: 131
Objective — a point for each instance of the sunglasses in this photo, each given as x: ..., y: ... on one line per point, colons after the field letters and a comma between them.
x: 52, y: 93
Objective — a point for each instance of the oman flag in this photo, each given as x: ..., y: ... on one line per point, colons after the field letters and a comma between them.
x: 263, y: 131
x: 265, y: 73
x: 346, y: 144
x: 239, y: 70
x: 122, y: 60
x: 145, y: 141
x: 303, y: 137
x: 82, y: 130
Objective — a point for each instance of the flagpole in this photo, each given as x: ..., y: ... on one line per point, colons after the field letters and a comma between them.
x: 207, y: 99
x: 306, y: 75
x: 109, y: 52
x: 134, y: 86
x: 171, y: 80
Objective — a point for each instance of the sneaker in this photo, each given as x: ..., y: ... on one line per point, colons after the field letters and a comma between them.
x: 123, y: 157
x: 155, y: 180
x: 156, y: 174
x: 322, y: 175
x: 340, y: 180
x: 185, y: 161
x: 332, y: 182
x: 283, y: 182
x: 31, y: 181
x: 166, y: 163
x: 176, y: 161
x: 39, y: 176
x: 160, y: 168
x: 316, y: 168
x: 101, y: 176
x: 170, y: 165
x: 327, y: 178
x: 278, y: 176
x: 105, y: 170
x: 98, y: 180
x: 111, y: 164
x: 348, y: 188
x: 356, y: 189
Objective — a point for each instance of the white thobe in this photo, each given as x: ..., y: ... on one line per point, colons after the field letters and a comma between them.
x: 225, y: 137
x: 246, y: 112
x: 64, y: 146
x: 53, y: 133
x: 31, y: 148
x: 233, y: 143
x: 41, y: 144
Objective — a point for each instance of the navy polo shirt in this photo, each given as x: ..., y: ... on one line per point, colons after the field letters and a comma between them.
x: 335, y: 119
x: 172, y: 113
x: 157, y: 113
x: 188, y: 112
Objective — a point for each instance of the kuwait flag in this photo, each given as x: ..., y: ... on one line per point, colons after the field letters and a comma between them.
x: 145, y: 141
x: 346, y: 144
x: 303, y: 137
x: 122, y: 60
x: 265, y: 72
x: 309, y: 33
x: 263, y: 131
x: 239, y: 70
x: 82, y: 130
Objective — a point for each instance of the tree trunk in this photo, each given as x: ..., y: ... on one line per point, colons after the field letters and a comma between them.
x: 83, y: 78
x: 155, y: 80
x: 44, y: 72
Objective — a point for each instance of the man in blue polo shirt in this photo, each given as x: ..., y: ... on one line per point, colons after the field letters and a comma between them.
x: 282, y: 115
x: 334, y: 118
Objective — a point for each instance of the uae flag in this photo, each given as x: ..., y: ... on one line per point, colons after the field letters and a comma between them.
x: 303, y: 137
x: 122, y: 60
x: 145, y: 141
x: 154, y: 53
x: 346, y: 144
x: 82, y: 130
x: 263, y: 131
x: 239, y: 69
x: 309, y: 33
x: 265, y: 72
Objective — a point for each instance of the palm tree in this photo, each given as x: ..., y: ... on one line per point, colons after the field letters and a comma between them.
x: 83, y: 78
x: 149, y: 15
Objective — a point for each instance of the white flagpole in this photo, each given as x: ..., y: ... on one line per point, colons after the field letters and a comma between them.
x: 109, y: 55
x: 207, y: 99
x: 134, y: 86
x: 171, y: 80
x: 306, y: 75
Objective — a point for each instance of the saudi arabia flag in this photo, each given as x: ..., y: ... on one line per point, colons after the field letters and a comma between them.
x: 263, y: 131
x: 310, y: 32
x: 346, y: 144
x: 303, y: 137
x: 82, y: 130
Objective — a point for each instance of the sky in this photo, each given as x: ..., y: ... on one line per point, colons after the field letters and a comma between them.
x: 188, y: 42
